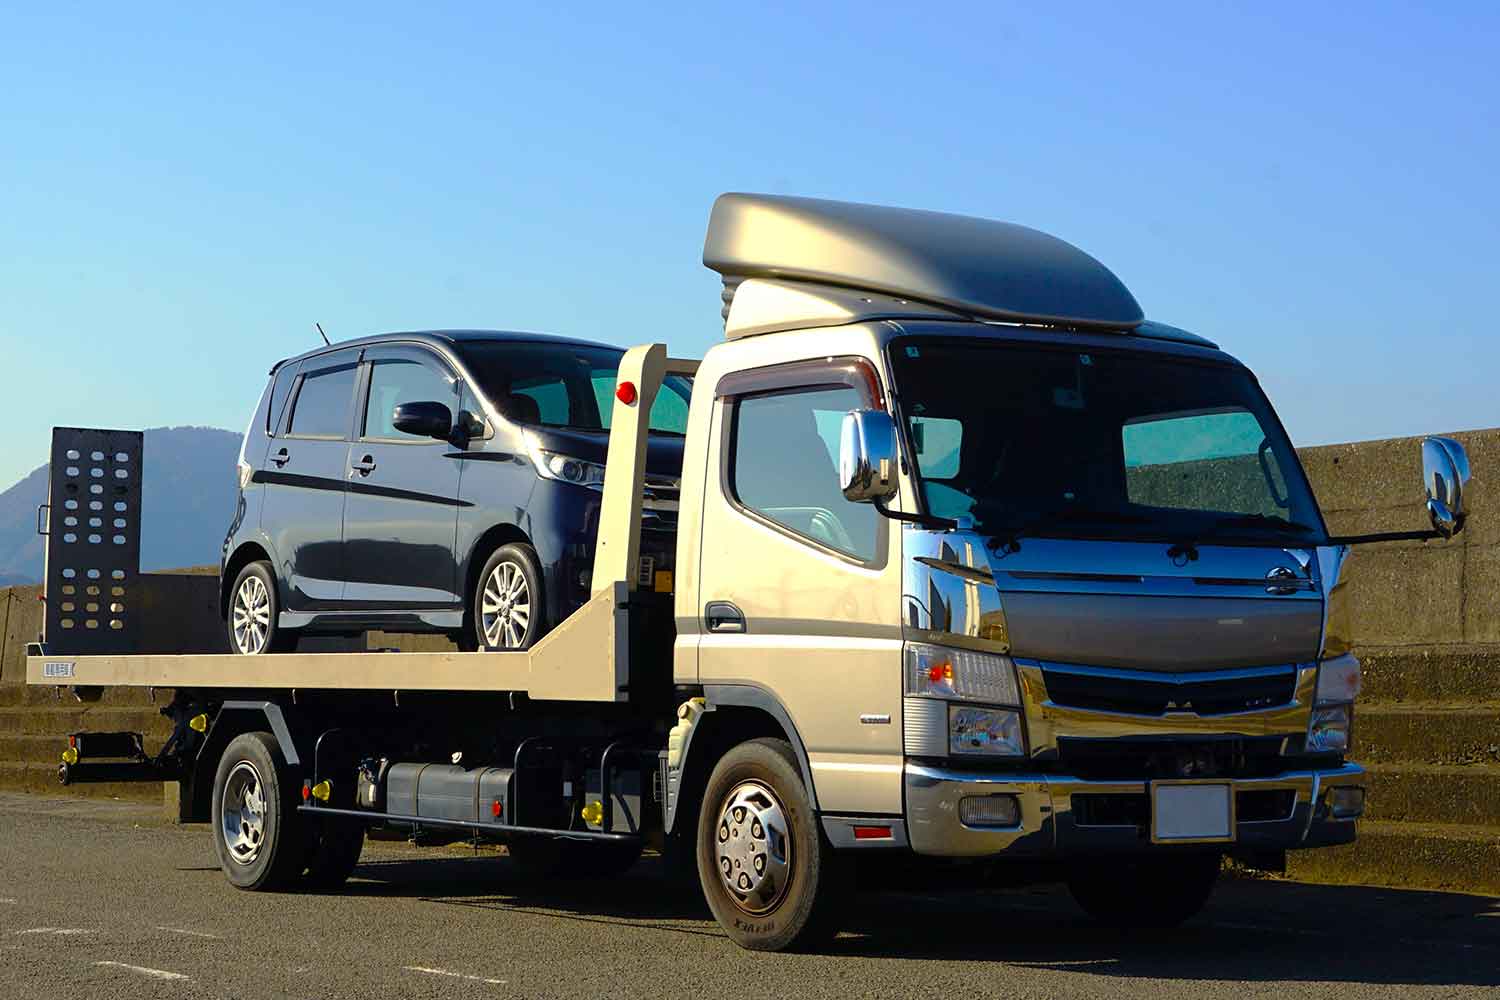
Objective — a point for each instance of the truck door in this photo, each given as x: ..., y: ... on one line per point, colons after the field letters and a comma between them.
x: 401, y: 514
x: 800, y: 588
x: 302, y: 510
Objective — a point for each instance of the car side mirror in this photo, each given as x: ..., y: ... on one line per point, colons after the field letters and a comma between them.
x: 1445, y: 473
x: 424, y: 419
x: 867, y: 456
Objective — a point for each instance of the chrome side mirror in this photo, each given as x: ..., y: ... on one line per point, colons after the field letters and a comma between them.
x: 867, y: 456
x: 1445, y: 473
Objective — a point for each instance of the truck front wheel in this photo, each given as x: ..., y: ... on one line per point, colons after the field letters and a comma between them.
x: 258, y: 833
x: 770, y: 877
x: 1158, y: 892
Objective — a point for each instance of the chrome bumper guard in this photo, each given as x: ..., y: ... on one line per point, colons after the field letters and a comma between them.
x: 1049, y: 825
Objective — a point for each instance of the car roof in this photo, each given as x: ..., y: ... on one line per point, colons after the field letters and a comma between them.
x: 446, y: 338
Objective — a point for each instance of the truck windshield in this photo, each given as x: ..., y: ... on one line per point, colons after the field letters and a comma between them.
x: 1061, y: 442
x: 564, y: 385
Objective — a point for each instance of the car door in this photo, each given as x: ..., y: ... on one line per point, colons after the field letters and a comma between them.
x: 302, y: 510
x: 401, y: 515
x: 800, y: 588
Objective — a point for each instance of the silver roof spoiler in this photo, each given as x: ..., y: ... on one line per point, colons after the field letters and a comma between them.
x: 905, y: 262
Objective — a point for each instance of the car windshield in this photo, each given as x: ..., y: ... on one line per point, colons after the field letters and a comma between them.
x: 564, y: 385
x: 1061, y: 442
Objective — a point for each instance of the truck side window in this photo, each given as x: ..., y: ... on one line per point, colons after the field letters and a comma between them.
x: 323, y: 404
x: 784, y: 467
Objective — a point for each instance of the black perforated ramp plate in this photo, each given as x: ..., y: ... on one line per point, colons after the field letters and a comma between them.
x: 93, y: 541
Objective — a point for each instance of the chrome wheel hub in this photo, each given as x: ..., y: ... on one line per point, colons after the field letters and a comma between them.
x: 250, y: 615
x: 505, y: 607
x: 242, y: 813
x: 753, y: 847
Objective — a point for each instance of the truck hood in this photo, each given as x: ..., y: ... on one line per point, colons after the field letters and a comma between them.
x: 1117, y: 604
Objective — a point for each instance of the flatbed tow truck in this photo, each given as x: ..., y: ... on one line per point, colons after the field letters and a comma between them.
x: 868, y: 659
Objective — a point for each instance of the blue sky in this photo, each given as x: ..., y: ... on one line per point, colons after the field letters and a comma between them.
x: 182, y: 193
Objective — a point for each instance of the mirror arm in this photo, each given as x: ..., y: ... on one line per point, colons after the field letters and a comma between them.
x: 925, y: 520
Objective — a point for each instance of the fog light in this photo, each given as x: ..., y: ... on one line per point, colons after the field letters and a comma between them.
x: 989, y: 810
x: 1328, y: 732
x: 1346, y: 803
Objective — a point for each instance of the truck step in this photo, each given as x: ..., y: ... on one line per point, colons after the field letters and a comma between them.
x: 1434, y: 793
x: 1428, y: 734
x: 1408, y: 855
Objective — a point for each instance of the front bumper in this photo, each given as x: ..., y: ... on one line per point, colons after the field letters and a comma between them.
x: 1052, y: 824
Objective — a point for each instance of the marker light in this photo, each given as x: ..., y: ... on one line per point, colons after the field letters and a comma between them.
x: 626, y: 393
x: 496, y: 809
x: 594, y: 811
x: 322, y: 790
x: 70, y: 756
x: 306, y: 790
x: 199, y: 723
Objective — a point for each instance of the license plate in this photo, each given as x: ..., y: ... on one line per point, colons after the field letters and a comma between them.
x: 1193, y: 812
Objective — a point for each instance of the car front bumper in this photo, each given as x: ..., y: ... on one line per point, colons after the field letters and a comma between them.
x: 1053, y: 824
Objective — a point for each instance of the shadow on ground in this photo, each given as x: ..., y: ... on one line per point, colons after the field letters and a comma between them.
x: 1252, y: 931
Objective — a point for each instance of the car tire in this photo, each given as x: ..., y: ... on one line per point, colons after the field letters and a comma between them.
x: 259, y: 836
x: 769, y: 875
x: 506, y: 609
x: 253, y: 608
x: 1156, y: 892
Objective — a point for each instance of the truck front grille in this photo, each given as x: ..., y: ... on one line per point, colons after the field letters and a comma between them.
x: 1154, y: 694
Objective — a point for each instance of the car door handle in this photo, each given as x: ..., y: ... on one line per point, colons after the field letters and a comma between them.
x: 723, y: 617
x: 364, y: 466
x: 281, y: 458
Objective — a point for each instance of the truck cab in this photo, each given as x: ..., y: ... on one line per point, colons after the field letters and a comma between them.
x: 1023, y: 575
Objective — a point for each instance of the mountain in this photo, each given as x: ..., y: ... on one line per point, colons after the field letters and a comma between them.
x: 188, y: 501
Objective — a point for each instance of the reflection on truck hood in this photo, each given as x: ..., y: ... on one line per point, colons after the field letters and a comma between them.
x: 1117, y: 604
x: 663, y: 451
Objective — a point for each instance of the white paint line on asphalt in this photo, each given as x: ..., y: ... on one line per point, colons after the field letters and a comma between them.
x: 454, y: 975
x: 152, y: 973
x: 57, y: 931
x: 190, y: 933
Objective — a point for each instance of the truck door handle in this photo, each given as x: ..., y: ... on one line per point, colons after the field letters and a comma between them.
x: 364, y: 466
x: 281, y: 458
x: 721, y: 616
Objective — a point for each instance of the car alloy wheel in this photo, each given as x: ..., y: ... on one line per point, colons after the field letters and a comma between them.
x: 251, y: 615
x: 505, y: 609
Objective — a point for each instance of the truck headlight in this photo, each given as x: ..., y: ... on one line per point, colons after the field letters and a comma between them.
x: 1328, y: 732
x: 960, y: 674
x: 989, y: 732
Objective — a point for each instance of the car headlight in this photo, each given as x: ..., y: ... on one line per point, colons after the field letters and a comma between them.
x: 564, y: 468
x: 990, y: 732
x: 1328, y: 732
x: 961, y: 674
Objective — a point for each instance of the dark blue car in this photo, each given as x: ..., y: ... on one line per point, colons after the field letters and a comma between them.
x: 444, y: 481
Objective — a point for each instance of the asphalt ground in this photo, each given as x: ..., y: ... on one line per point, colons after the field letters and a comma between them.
x: 102, y: 899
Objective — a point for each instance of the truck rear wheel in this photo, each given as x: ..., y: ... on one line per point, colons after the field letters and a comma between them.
x: 258, y: 833
x: 1154, y: 892
x: 771, y: 879
x: 334, y: 851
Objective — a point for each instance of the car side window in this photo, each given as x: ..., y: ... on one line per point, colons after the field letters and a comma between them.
x: 403, y: 380
x: 784, y: 466
x: 281, y: 388
x: 323, y: 404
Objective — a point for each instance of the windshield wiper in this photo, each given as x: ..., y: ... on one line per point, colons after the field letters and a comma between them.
x: 1009, y: 540
x: 1274, y: 522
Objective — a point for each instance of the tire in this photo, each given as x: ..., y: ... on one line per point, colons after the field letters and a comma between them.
x: 333, y: 851
x: 507, y: 590
x: 1157, y: 892
x: 567, y: 860
x: 254, y: 606
x: 791, y: 889
x: 260, y: 838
